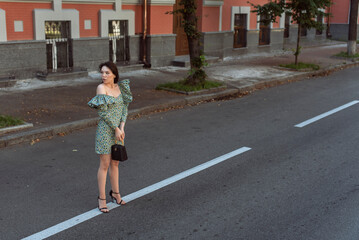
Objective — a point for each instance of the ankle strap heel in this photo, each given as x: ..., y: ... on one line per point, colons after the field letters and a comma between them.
x: 104, y: 209
x: 114, y: 199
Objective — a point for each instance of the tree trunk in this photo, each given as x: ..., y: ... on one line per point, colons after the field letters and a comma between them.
x: 298, y: 45
x: 352, y: 48
x: 353, y: 22
x: 195, y: 78
x: 194, y: 50
x: 197, y: 75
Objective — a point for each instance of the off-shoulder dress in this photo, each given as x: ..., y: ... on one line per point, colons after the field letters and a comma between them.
x: 112, y: 111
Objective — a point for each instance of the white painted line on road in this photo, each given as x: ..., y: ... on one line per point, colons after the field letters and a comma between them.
x: 95, y: 212
x: 305, y: 123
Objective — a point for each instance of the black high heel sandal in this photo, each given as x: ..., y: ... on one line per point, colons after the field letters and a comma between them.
x: 114, y: 199
x: 104, y: 208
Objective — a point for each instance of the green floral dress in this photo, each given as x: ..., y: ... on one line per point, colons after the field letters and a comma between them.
x: 112, y: 112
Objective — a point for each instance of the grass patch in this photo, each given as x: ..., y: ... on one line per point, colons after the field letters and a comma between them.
x: 300, y: 66
x: 8, y: 121
x: 186, y: 88
x: 345, y: 55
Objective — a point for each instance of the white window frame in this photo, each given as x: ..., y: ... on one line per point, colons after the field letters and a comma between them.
x: 117, y: 14
x: 258, y: 23
x: 240, y: 10
x: 56, y: 14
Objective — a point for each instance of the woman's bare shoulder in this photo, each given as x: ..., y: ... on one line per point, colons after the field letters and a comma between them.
x: 101, y: 89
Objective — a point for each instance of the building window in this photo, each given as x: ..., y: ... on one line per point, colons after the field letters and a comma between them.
x: 18, y: 26
x: 119, y: 46
x: 114, y: 29
x: 240, y: 30
x: 59, y: 45
x: 286, y: 25
x: 264, y: 32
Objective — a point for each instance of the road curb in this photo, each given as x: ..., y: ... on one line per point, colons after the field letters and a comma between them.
x: 46, y: 132
x: 66, y: 128
x: 23, y: 126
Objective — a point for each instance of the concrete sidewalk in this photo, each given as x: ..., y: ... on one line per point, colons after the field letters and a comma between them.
x: 57, y: 108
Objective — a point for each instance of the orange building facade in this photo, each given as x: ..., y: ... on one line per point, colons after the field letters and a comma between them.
x: 48, y: 35
x: 339, y: 22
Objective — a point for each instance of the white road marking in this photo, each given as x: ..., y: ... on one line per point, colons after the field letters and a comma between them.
x: 305, y: 123
x: 95, y: 212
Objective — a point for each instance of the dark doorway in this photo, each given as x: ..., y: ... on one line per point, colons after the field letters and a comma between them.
x: 264, y: 32
x: 58, y: 45
x: 181, y: 37
x: 286, y: 25
x: 240, y: 30
x: 118, y: 45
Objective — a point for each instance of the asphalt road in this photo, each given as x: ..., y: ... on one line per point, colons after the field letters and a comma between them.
x: 294, y: 183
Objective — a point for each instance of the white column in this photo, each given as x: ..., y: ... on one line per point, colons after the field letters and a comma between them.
x: 282, y: 21
x: 220, y: 18
x: 57, y: 5
x: 3, y: 36
x: 118, y: 5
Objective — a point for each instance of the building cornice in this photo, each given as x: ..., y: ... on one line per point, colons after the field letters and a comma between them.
x: 213, y: 3
x: 162, y: 2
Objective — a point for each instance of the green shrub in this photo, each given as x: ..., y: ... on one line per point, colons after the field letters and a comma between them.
x: 8, y: 121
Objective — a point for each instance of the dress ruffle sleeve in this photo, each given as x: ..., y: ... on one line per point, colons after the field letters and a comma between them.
x: 126, y: 96
x: 102, y: 102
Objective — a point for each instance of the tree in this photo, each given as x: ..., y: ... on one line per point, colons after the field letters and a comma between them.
x: 353, y: 23
x: 303, y: 12
x: 188, y: 11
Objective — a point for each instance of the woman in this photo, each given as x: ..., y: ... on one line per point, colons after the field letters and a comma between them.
x: 111, y: 101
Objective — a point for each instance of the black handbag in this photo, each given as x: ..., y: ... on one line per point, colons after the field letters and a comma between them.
x: 118, y: 152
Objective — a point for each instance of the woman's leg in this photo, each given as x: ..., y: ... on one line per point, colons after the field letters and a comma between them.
x: 105, y: 160
x: 114, y: 179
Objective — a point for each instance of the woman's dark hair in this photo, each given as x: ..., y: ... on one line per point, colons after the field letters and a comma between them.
x: 113, y: 69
